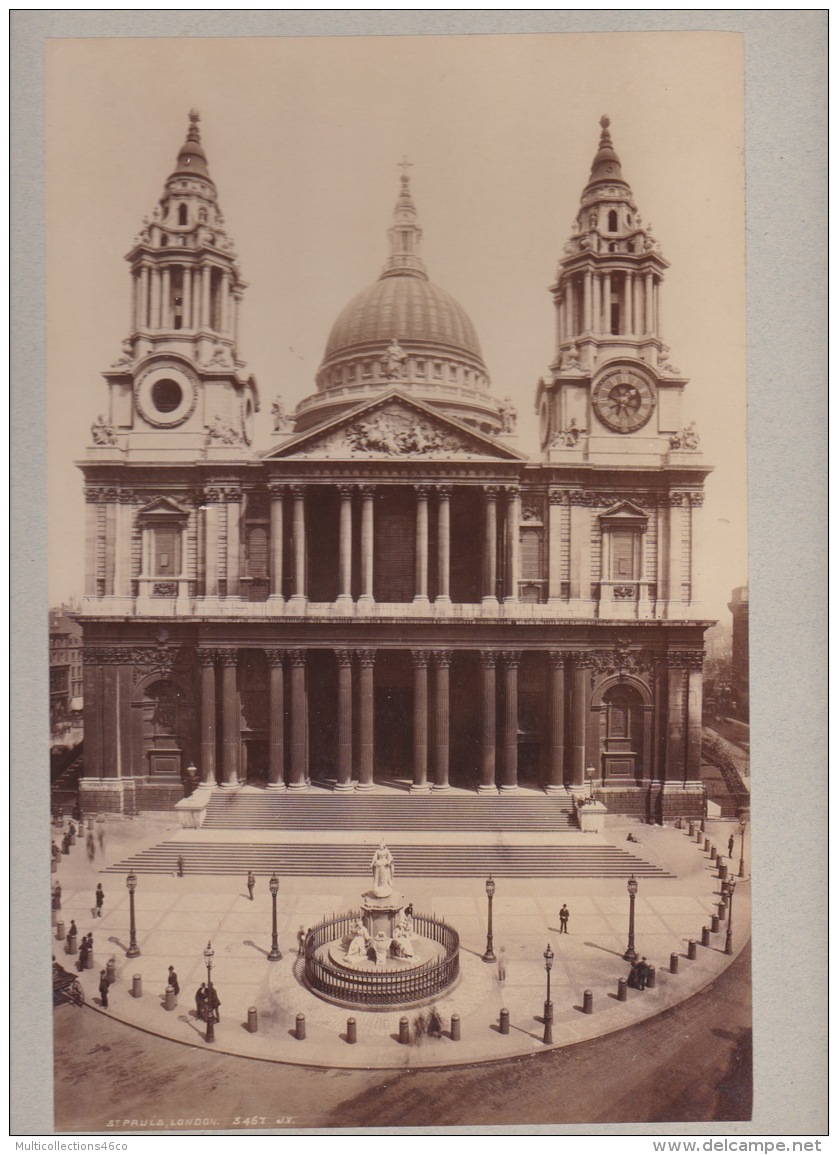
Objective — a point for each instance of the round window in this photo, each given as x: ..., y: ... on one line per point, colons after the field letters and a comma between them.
x: 166, y: 395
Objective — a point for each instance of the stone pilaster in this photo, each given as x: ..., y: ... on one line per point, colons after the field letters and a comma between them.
x: 488, y: 732
x: 344, y: 665
x: 366, y: 663
x: 442, y: 719
x: 276, y: 719
x: 420, y: 722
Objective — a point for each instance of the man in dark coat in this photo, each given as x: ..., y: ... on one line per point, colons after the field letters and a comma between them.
x: 100, y: 899
x: 564, y: 915
x: 214, y: 1002
x: 251, y: 882
x: 642, y: 974
x: 172, y: 981
x: 103, y: 988
x: 201, y: 1000
x: 730, y: 847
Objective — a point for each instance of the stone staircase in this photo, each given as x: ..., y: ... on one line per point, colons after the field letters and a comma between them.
x: 268, y: 810
x: 324, y: 859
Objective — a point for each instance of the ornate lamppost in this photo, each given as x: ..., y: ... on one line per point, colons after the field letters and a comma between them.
x: 275, y: 954
x: 489, y: 956
x: 631, y: 953
x: 548, y: 1005
x: 590, y: 774
x: 209, y: 1010
x: 742, y: 825
x: 133, y: 950
x: 729, y: 888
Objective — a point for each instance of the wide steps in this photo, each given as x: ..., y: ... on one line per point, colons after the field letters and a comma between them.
x: 324, y: 860
x: 379, y: 813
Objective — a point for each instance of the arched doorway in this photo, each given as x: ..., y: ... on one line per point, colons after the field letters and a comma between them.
x: 167, y: 729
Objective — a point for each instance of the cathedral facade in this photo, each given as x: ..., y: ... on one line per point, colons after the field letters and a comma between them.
x: 392, y: 592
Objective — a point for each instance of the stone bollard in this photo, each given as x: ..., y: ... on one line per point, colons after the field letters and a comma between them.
x: 59, y: 929
x: 705, y: 936
x: 504, y: 1021
x: 137, y: 987
x: 692, y: 830
x: 722, y: 871
x: 713, y: 853
x: 651, y: 977
x: 72, y: 944
x: 678, y: 823
x: 81, y: 826
x: 673, y: 964
x: 706, y: 845
x: 72, y: 840
x: 702, y: 826
x: 90, y: 962
x: 171, y: 999
x: 351, y: 1031
x: 691, y: 952
x: 54, y: 866
x: 722, y: 909
x: 54, y: 917
x: 252, y: 1020
x: 622, y: 990
x: 404, y: 1030
x: 699, y: 837
x: 301, y: 1027
x: 588, y: 1002
x: 714, y: 923
x: 455, y: 1028
x: 110, y: 970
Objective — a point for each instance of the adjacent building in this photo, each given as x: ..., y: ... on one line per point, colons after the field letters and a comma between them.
x: 65, y: 667
x: 392, y: 590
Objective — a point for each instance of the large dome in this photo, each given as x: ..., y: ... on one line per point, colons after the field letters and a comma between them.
x: 409, y: 308
x: 403, y: 332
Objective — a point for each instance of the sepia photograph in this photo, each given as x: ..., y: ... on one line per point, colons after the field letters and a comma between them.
x: 399, y: 697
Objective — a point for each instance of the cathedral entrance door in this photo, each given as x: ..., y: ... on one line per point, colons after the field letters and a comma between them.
x: 255, y: 761
x: 393, y: 732
x: 622, y: 740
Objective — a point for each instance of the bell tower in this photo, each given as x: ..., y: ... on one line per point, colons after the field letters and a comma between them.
x: 179, y: 391
x: 612, y: 393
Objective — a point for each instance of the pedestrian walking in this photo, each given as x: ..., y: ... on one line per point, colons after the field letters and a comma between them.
x: 103, y: 988
x: 172, y: 981
x: 56, y: 896
x: 72, y: 833
x: 642, y: 974
x: 201, y: 1001
x: 100, y: 899
x: 214, y: 1002
x: 434, y: 1023
x: 100, y: 832
x: 65, y: 844
x: 730, y: 847
x: 251, y: 882
x: 180, y: 866
x: 301, y: 941
x: 502, y: 965
x: 420, y: 1027
x: 91, y: 846
x: 564, y: 915
x: 83, y: 955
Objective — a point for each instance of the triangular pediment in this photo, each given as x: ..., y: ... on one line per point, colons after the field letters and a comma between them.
x: 163, y: 507
x: 624, y: 511
x: 394, y: 426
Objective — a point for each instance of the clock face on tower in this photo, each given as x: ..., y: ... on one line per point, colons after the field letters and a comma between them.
x: 623, y: 400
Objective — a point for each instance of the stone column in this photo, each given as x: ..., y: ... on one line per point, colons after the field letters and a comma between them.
x: 142, y: 299
x: 658, y: 309
x: 276, y: 720
x: 628, y: 302
x: 212, y: 497
x: 442, y: 719
x: 443, y: 596
x: 230, y: 723
x: 207, y: 659
x: 165, y: 300
x: 154, y: 315
x: 366, y: 662
x: 675, y: 766
x: 344, y: 662
x: 597, y: 304
x: 420, y: 596
x: 648, y: 304
x: 513, y: 526
x: 298, y: 530
x: 488, y: 783
x: 580, y: 546
x: 234, y: 496
x: 367, y: 597
x: 697, y: 592
x: 122, y: 546
x: 187, y: 297
x: 579, y: 706
x: 554, y: 546
x: 556, y: 713
x: 204, y: 319
x: 277, y: 493
x: 586, y: 307
x: 299, y: 722
x: 490, y: 548
x: 606, y: 303
x: 420, y: 722
x: 509, y: 783
x: 694, y: 695
x: 673, y: 567
x: 345, y: 546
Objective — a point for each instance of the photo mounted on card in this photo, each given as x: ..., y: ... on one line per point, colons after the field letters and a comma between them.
x: 398, y: 679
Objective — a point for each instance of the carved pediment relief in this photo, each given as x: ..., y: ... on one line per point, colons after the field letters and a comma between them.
x: 397, y: 428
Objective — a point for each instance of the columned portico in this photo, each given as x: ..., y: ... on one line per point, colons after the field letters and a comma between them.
x: 511, y: 661
x: 442, y: 665
x: 488, y: 784
x: 443, y: 597
x: 366, y: 748
x: 420, y: 660
x: 276, y: 719
x: 230, y: 727
x: 298, y: 779
x: 344, y: 760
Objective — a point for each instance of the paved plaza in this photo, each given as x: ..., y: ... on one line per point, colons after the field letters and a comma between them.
x: 176, y: 917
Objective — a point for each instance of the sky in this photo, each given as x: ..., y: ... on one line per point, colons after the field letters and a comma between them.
x: 304, y: 137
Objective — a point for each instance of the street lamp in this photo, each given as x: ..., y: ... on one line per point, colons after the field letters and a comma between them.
x: 489, y: 956
x: 275, y: 954
x: 729, y: 886
x: 208, y: 1007
x: 631, y: 953
x: 590, y: 774
x: 742, y: 825
x: 548, y: 1006
x: 133, y: 950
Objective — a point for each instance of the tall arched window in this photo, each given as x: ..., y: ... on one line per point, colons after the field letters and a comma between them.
x: 612, y: 221
x: 182, y: 215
